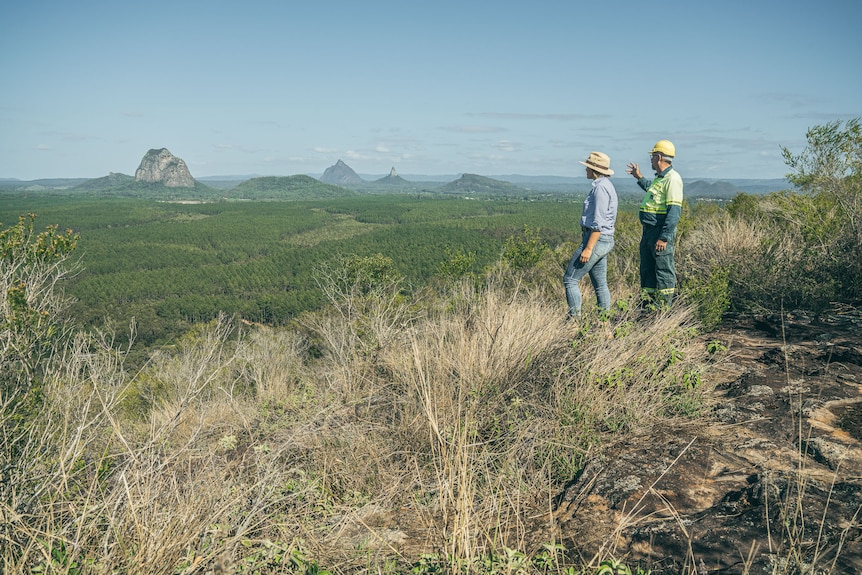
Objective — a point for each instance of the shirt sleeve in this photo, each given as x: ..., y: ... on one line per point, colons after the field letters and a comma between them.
x: 669, y: 229
x: 603, y: 200
x: 674, y: 191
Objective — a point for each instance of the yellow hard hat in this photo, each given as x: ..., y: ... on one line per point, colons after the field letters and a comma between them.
x: 664, y: 147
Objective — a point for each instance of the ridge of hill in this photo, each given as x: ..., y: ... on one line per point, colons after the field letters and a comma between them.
x: 475, y: 184
x: 287, y: 188
x: 114, y: 181
x: 117, y: 184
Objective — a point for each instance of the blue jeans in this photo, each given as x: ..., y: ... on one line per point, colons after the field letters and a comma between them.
x: 596, y: 266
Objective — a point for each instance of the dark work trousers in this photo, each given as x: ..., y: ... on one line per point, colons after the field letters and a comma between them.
x: 658, y: 276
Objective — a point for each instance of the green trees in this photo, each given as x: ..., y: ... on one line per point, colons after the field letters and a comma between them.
x: 34, y: 334
x: 32, y: 265
x: 791, y: 249
x: 829, y: 170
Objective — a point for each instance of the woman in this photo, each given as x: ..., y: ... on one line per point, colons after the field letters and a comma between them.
x: 598, y: 218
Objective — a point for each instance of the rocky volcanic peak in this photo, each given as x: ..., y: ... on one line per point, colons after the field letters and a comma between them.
x: 340, y: 174
x: 160, y: 166
x: 392, y: 178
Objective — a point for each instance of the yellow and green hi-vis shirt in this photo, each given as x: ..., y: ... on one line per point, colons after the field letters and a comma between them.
x: 664, y: 191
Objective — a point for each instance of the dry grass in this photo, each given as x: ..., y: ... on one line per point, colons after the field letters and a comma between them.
x: 369, y: 436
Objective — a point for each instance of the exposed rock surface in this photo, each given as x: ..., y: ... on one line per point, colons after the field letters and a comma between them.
x: 777, y: 467
x: 160, y: 166
x: 392, y: 178
x: 340, y: 174
x: 773, y: 470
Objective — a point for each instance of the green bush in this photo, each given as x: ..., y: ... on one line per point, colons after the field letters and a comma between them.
x: 31, y: 323
x: 790, y: 249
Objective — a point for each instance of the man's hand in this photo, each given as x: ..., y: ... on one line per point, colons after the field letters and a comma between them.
x: 633, y: 169
x: 585, y: 255
x: 660, y: 246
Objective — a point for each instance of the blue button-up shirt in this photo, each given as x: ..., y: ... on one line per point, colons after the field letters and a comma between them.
x: 600, y: 207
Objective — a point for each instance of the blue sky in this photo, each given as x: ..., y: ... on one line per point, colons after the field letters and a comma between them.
x: 444, y: 87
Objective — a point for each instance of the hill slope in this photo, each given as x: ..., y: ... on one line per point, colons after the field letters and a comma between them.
x: 297, y: 187
x: 474, y: 184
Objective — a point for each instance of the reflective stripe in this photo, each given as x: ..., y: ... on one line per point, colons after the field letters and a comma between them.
x: 662, y: 192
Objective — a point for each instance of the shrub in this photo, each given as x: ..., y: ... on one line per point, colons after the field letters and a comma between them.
x: 796, y: 249
x: 32, y: 326
x: 830, y: 170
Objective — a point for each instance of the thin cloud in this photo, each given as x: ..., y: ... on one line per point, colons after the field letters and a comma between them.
x: 472, y: 129
x: 527, y: 116
x: 78, y: 137
x: 354, y: 155
x: 791, y: 99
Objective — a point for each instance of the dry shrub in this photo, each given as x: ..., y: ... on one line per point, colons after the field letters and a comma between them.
x: 471, y: 416
x: 729, y: 262
x: 271, y: 361
x: 722, y: 240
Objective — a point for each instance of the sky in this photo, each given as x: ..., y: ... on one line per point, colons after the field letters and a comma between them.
x: 266, y: 87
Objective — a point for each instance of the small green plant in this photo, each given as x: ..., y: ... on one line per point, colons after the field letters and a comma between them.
x: 548, y: 559
x: 623, y: 329
x: 691, y: 378
x: 711, y: 294
x: 613, y: 567
x: 715, y: 346
x: 428, y: 564
x: 674, y: 356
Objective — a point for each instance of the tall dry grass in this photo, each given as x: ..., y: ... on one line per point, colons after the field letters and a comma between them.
x: 353, y: 441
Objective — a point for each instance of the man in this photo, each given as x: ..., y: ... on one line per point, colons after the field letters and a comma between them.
x: 598, y: 218
x: 659, y: 214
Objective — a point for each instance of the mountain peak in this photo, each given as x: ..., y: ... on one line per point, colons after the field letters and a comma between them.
x: 392, y: 178
x: 160, y: 166
x: 340, y: 174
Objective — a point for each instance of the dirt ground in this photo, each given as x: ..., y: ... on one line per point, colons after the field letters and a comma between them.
x: 770, y: 481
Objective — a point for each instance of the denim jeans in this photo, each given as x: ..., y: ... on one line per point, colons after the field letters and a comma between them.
x: 596, y: 266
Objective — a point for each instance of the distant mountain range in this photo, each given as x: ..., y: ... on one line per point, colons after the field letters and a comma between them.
x: 474, y: 184
x: 286, y: 187
x: 340, y: 179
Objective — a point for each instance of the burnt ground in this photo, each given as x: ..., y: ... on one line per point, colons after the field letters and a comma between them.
x: 769, y: 482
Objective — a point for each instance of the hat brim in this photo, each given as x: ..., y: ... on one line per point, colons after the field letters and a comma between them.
x: 598, y: 169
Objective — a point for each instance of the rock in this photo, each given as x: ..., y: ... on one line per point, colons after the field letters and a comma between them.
x: 160, y: 166
x: 340, y: 174
x: 783, y: 447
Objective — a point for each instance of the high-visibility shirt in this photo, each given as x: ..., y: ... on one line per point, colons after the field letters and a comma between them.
x: 662, y: 202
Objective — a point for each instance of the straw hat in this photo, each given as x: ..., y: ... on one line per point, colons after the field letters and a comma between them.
x: 599, y: 162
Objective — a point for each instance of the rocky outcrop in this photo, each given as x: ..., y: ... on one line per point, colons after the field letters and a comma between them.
x: 160, y: 166
x: 341, y: 175
x: 781, y: 448
x: 392, y: 178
